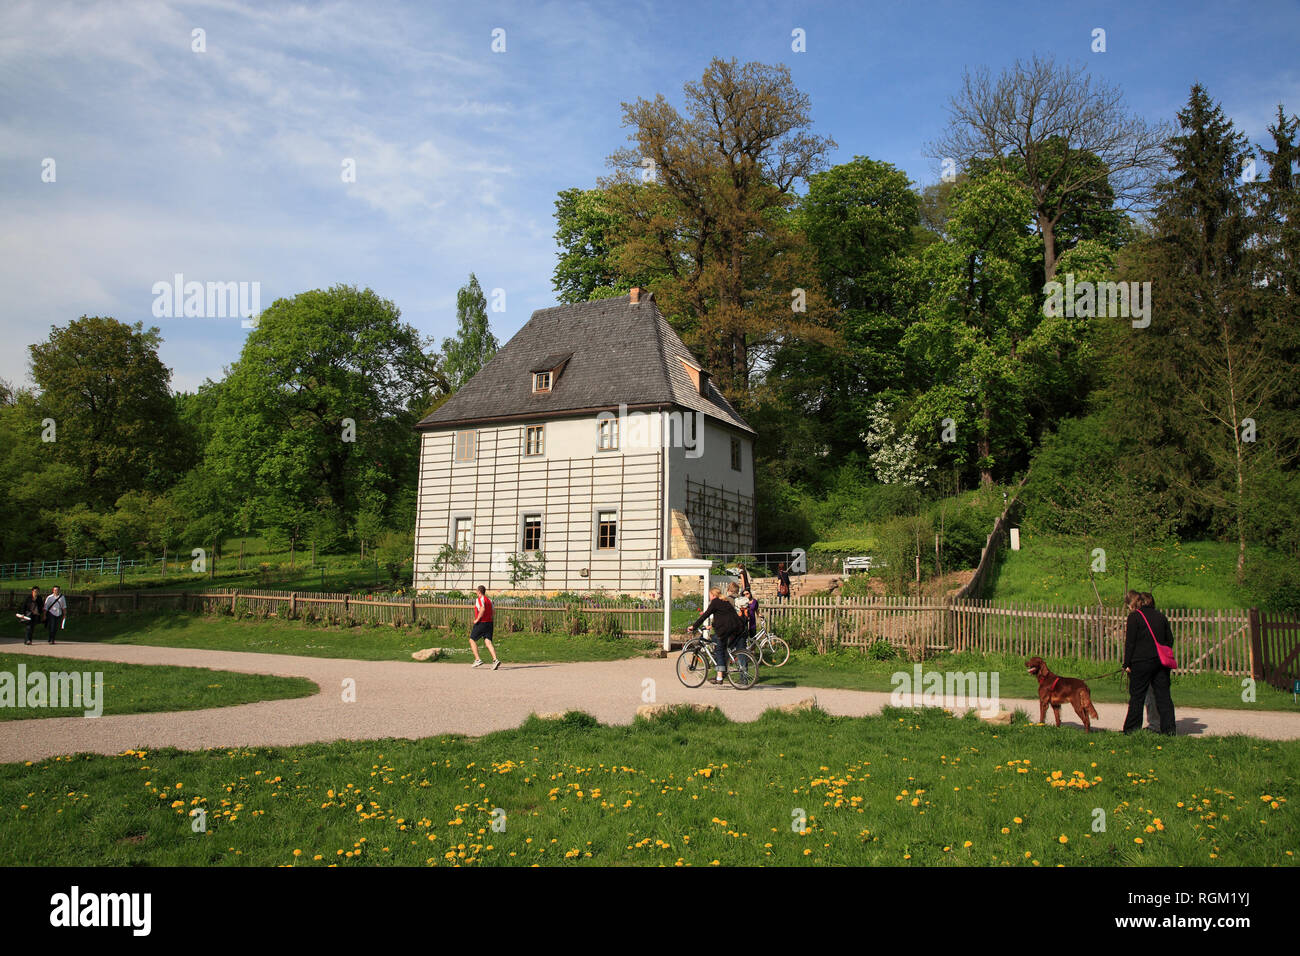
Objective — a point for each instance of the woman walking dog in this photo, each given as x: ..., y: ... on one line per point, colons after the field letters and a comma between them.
x: 1148, y: 660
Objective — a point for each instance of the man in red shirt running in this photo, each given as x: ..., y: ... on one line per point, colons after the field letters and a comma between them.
x: 483, y: 628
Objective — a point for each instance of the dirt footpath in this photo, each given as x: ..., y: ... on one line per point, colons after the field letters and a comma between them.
x: 408, y: 699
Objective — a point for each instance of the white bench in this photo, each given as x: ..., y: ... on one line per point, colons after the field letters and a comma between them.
x: 861, y: 563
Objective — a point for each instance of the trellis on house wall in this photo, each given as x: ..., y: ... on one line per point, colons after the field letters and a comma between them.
x: 723, y: 521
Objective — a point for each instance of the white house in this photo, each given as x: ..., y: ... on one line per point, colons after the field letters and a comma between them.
x: 592, y: 445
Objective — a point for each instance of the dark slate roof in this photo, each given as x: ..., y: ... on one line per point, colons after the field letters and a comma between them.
x: 551, y: 362
x: 621, y: 354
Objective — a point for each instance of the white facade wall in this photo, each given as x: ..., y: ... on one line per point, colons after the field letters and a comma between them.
x: 567, y: 485
x: 723, y: 529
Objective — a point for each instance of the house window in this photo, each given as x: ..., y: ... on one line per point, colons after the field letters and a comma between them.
x: 606, y: 530
x: 463, y: 535
x: 534, y: 439
x: 466, y: 445
x: 532, y: 532
x: 607, y: 434
x: 735, y: 454
x: 541, y: 381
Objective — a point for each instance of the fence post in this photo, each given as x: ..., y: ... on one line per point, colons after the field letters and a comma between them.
x: 135, y: 601
x: 412, y: 610
x: 1256, y: 644
x: 293, y: 603
x: 234, y: 593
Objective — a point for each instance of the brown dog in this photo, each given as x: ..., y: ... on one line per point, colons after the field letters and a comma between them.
x: 1057, y: 690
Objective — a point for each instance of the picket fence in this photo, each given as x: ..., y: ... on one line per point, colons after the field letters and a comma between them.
x: 1206, y: 641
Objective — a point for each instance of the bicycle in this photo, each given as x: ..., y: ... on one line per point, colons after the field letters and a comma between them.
x: 766, y: 648
x: 696, y: 659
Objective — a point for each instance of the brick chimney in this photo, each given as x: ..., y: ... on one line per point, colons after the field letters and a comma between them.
x: 635, y: 295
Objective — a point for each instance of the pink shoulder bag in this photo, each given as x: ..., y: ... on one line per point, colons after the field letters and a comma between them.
x: 1166, y: 653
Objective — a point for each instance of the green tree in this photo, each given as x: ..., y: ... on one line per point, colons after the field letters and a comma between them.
x: 474, y: 344
x: 587, y: 231
x: 713, y: 224
x: 1063, y: 135
x: 859, y: 218
x: 101, y: 382
x: 1202, y: 391
x: 970, y: 340
x: 319, y: 411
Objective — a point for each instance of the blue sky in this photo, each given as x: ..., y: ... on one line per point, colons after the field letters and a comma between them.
x: 225, y: 165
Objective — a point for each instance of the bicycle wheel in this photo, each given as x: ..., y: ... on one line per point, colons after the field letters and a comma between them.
x: 775, y: 652
x: 743, y: 671
x: 692, y: 667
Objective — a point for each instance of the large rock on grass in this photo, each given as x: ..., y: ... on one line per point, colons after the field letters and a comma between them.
x: 654, y: 710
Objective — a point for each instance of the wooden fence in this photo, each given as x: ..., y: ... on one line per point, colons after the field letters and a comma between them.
x: 636, y: 621
x: 1205, y: 641
x: 1275, y: 644
x: 993, y: 544
x: 1236, y: 642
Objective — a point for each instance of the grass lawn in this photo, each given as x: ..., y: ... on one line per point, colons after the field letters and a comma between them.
x: 904, y: 788
x: 272, y: 636
x: 851, y: 670
x: 1055, y: 571
x: 145, y: 689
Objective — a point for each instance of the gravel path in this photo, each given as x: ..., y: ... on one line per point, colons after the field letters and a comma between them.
x: 409, y: 699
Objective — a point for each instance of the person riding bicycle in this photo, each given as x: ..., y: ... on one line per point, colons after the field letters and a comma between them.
x: 726, y: 627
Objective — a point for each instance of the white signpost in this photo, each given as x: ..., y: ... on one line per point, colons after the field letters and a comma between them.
x: 681, y: 568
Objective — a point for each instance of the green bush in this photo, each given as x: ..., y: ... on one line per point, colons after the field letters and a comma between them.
x: 609, y: 627
x: 857, y: 585
x: 881, y: 650
x: 1274, y: 582
x: 575, y: 622
x: 964, y: 535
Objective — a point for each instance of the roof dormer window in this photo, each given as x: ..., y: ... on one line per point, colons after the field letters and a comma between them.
x: 547, y: 371
x: 699, y: 377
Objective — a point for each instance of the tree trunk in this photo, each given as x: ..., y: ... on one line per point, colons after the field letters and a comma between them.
x: 1048, y: 231
x: 986, y: 473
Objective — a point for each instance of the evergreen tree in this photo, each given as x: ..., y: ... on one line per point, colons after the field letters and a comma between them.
x: 1196, y: 393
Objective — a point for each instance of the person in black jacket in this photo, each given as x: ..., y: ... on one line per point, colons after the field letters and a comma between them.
x: 1145, y: 626
x: 33, y: 610
x: 726, y: 625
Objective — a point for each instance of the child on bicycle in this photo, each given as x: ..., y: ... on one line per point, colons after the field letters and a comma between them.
x: 726, y: 626
x: 749, y: 616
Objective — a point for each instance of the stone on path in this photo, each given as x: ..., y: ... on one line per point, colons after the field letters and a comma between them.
x: 654, y: 710
x: 808, y: 703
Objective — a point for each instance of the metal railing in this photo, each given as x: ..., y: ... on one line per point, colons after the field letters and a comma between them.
x: 36, y: 570
x: 763, y: 559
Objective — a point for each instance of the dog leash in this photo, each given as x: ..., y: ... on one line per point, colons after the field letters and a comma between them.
x: 1100, y: 676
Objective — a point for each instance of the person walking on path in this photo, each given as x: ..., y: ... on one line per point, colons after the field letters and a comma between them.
x: 726, y: 625
x: 33, y: 611
x: 56, y: 611
x: 483, y: 628
x: 1145, y: 627
x: 782, y: 583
